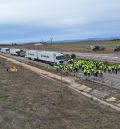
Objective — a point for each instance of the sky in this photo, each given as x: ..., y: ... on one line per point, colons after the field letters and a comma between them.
x: 40, y: 20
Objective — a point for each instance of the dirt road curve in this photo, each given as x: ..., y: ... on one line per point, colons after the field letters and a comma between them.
x: 71, y: 82
x: 104, y: 57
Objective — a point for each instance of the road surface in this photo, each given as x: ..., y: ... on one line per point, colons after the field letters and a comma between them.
x: 104, y: 57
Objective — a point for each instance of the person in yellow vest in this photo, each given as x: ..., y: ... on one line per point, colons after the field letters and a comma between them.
x: 88, y: 72
x: 85, y: 72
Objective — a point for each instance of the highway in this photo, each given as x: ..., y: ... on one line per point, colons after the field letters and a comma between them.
x: 115, y: 58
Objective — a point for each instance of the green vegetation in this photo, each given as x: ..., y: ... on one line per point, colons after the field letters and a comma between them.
x: 83, y: 44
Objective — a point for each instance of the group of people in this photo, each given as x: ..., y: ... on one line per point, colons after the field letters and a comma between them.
x: 88, y: 67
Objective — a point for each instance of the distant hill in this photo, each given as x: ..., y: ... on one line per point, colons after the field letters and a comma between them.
x: 67, y: 41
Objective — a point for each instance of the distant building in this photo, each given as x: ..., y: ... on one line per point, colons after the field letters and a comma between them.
x: 38, y: 44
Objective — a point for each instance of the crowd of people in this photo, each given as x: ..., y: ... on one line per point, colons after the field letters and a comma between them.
x: 88, y: 67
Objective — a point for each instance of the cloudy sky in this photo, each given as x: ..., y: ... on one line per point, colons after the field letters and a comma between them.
x: 36, y: 20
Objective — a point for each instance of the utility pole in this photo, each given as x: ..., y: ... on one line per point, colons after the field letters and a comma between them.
x: 51, y: 41
x: 61, y: 88
x: 61, y: 79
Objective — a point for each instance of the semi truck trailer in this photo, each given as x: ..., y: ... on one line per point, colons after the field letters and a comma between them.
x: 46, y: 56
x: 5, y: 50
x: 14, y: 51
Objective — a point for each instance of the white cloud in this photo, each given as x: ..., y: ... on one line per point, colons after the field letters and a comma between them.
x: 67, y: 14
x: 48, y: 11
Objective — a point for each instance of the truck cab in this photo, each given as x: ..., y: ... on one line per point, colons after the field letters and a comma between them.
x: 60, y: 58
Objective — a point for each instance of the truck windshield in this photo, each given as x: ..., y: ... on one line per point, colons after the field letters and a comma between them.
x: 7, y: 49
x: 60, y: 57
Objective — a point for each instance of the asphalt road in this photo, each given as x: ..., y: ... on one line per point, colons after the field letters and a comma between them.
x: 111, y: 80
x: 104, y: 57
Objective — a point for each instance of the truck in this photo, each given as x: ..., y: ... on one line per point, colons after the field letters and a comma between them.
x: 21, y: 53
x: 32, y: 54
x: 5, y: 50
x: 49, y: 57
x: 14, y: 51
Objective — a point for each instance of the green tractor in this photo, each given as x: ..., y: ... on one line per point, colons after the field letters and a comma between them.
x: 117, y: 49
x: 95, y: 48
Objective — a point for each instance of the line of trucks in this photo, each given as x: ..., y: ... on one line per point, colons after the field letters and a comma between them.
x: 50, y: 57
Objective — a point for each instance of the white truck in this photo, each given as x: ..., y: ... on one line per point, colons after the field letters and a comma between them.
x: 21, y: 53
x: 32, y: 54
x: 14, y: 51
x: 49, y: 57
x: 5, y: 50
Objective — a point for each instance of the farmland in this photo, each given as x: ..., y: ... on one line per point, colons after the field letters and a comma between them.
x: 74, y: 47
x: 30, y: 101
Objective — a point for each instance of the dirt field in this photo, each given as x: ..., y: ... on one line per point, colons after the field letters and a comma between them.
x: 75, y: 47
x: 29, y: 101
